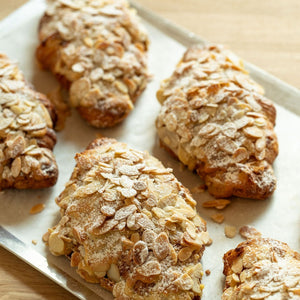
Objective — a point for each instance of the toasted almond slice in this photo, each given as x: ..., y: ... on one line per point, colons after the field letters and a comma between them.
x: 237, y: 266
x: 185, y: 253
x: 37, y: 208
x: 184, y: 282
x: 125, y: 211
x: 56, y: 244
x: 218, y: 218
x: 140, y: 252
x: 253, y: 132
x: 161, y: 246
x: 113, y: 273
x: 249, y: 232
x: 151, y: 268
x: 217, y: 203
x: 230, y: 231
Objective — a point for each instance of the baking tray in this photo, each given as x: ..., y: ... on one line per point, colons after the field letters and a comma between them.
x: 277, y: 217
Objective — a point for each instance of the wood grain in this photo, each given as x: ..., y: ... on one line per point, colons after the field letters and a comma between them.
x: 18, y: 281
x: 266, y: 33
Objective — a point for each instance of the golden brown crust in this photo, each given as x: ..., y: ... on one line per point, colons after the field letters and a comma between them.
x: 104, y: 66
x: 216, y: 121
x: 26, y: 134
x: 48, y: 55
x: 129, y: 225
x: 262, y: 268
x: 107, y: 113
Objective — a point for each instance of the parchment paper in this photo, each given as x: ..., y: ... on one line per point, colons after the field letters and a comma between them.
x: 277, y: 217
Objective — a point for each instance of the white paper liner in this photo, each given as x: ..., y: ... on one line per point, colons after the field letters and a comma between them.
x: 277, y: 217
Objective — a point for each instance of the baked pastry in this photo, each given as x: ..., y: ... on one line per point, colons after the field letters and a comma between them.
x: 128, y: 224
x: 262, y: 269
x: 97, y: 49
x: 26, y: 134
x: 215, y: 119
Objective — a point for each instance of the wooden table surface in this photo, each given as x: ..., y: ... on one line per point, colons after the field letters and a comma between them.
x: 266, y: 33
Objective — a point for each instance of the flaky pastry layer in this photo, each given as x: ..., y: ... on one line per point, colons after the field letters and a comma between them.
x: 262, y: 269
x: 97, y: 50
x: 26, y: 134
x: 128, y: 224
x: 215, y: 119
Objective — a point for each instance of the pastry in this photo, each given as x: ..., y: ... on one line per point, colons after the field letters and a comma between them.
x: 26, y: 134
x: 262, y: 269
x: 215, y: 119
x: 128, y: 224
x: 97, y: 50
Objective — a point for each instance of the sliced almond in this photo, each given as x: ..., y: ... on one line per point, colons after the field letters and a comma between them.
x: 56, y: 244
x: 253, y: 132
x: 149, y: 269
x: 249, y: 232
x: 237, y: 265
x: 113, y: 273
x: 230, y: 231
x: 125, y: 211
x: 185, y: 253
x: 218, y: 218
x: 161, y: 246
x: 217, y: 203
x: 140, y: 252
x: 37, y: 208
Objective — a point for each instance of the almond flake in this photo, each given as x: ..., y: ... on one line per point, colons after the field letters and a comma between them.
x: 149, y: 237
x: 78, y: 68
x: 184, y: 282
x: 185, y: 253
x: 260, y: 144
x: 108, y: 211
x: 253, y: 132
x: 139, y: 185
x: 230, y: 231
x: 218, y: 218
x: 125, y: 211
x: 206, y: 129
x: 16, y: 167
x: 129, y: 170
x: 140, y: 252
x: 150, y: 268
x: 127, y: 193
x: 106, y: 227
x: 161, y: 246
x: 217, y: 203
x: 249, y: 232
x: 37, y: 208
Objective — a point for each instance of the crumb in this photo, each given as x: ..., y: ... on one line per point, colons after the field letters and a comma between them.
x: 34, y: 242
x: 198, y: 189
x: 249, y: 232
x: 230, y: 231
x: 37, y: 208
x: 218, y: 218
x: 207, y: 272
x: 217, y: 203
